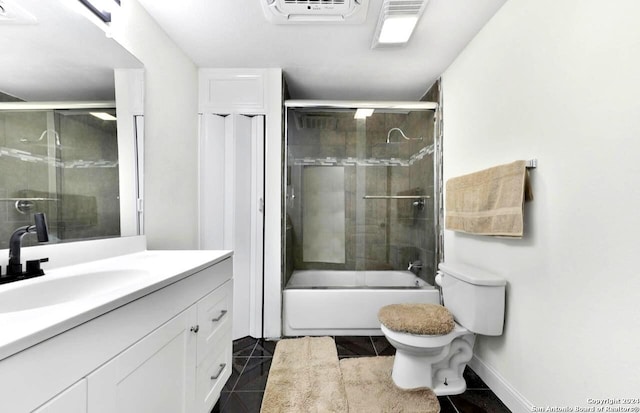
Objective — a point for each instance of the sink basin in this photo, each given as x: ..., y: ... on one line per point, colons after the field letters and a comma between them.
x: 43, y: 291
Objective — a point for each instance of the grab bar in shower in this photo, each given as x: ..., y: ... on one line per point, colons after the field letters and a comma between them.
x: 396, y: 197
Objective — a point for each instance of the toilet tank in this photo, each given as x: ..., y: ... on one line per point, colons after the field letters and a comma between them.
x: 474, y: 297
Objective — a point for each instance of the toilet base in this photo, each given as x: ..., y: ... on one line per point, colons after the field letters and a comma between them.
x: 438, y: 369
x: 453, y: 386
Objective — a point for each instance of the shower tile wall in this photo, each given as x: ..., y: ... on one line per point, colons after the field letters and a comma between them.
x: 380, y: 234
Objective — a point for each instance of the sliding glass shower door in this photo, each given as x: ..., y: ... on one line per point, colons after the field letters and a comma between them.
x: 359, y: 195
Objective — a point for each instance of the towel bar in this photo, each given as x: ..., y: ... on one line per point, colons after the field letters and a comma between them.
x: 396, y: 197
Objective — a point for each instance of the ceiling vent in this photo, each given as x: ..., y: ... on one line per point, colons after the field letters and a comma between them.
x: 315, y: 121
x: 315, y: 11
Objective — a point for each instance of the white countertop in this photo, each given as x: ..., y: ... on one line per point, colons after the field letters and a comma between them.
x: 22, y: 329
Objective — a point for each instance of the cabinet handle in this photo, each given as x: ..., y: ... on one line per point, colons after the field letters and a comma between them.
x: 215, y: 376
x: 222, y: 313
x: 195, y: 328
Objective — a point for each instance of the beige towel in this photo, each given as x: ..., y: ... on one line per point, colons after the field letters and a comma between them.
x: 488, y: 202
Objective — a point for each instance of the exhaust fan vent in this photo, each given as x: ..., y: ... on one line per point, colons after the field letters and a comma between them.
x: 309, y: 2
x: 316, y: 121
x: 315, y: 11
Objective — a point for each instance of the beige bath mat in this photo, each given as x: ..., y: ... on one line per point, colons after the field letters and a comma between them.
x: 370, y: 389
x: 305, y: 377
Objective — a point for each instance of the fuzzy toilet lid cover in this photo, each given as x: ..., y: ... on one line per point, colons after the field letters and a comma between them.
x: 422, y: 319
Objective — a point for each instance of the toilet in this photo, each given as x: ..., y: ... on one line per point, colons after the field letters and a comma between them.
x: 434, y: 343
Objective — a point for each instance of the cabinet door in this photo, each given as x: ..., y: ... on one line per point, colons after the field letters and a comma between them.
x: 72, y: 400
x: 154, y: 375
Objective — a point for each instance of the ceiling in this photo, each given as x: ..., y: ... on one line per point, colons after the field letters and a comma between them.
x: 324, y: 61
x: 64, y: 56
x: 60, y: 56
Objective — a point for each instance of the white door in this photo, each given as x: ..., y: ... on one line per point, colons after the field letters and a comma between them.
x: 232, y: 207
x: 157, y: 374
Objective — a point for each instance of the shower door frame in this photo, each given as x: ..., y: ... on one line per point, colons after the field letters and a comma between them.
x: 359, y: 104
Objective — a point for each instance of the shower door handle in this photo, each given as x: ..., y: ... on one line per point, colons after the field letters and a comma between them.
x: 261, y: 205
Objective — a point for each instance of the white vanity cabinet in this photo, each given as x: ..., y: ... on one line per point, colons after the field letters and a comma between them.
x: 154, y: 375
x: 74, y: 399
x: 169, y: 349
x: 178, y: 368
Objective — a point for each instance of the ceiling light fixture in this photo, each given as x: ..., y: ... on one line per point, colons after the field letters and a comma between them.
x: 101, y: 8
x: 363, y: 113
x: 398, y: 19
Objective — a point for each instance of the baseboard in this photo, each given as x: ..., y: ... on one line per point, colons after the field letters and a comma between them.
x: 515, y: 401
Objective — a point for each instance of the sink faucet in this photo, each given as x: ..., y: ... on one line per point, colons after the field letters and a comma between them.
x: 33, y: 267
x: 417, y: 264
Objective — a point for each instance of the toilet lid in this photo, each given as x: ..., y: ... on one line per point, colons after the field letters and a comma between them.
x: 420, y: 319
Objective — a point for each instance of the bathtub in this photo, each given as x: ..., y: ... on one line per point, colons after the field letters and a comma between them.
x: 324, y: 302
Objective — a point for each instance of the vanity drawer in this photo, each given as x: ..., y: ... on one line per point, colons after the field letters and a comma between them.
x: 214, y: 320
x: 213, y: 372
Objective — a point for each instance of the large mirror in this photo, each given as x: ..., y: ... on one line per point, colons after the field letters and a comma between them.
x: 65, y: 148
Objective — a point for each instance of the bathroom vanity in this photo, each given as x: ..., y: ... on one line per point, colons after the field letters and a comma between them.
x: 142, y: 332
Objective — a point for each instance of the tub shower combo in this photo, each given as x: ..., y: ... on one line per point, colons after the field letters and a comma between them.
x: 361, y: 214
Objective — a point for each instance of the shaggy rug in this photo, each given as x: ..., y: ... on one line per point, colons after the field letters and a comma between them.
x: 306, y: 376
x: 370, y: 389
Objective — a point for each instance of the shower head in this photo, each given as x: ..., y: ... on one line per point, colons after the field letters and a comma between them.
x: 401, y: 133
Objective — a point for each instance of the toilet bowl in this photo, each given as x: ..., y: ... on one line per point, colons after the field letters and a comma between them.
x: 475, y: 301
x: 428, y: 360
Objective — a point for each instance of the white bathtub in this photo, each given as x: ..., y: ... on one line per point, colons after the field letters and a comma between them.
x: 324, y: 302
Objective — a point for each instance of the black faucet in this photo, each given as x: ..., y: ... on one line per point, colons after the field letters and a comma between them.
x: 14, y: 269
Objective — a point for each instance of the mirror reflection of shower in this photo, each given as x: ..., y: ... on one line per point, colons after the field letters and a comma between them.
x: 42, y: 135
x: 59, y: 159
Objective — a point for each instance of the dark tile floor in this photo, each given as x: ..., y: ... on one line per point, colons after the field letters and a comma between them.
x: 252, y: 359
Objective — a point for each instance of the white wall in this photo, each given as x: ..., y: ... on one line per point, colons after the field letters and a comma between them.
x: 558, y: 81
x: 171, y: 129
